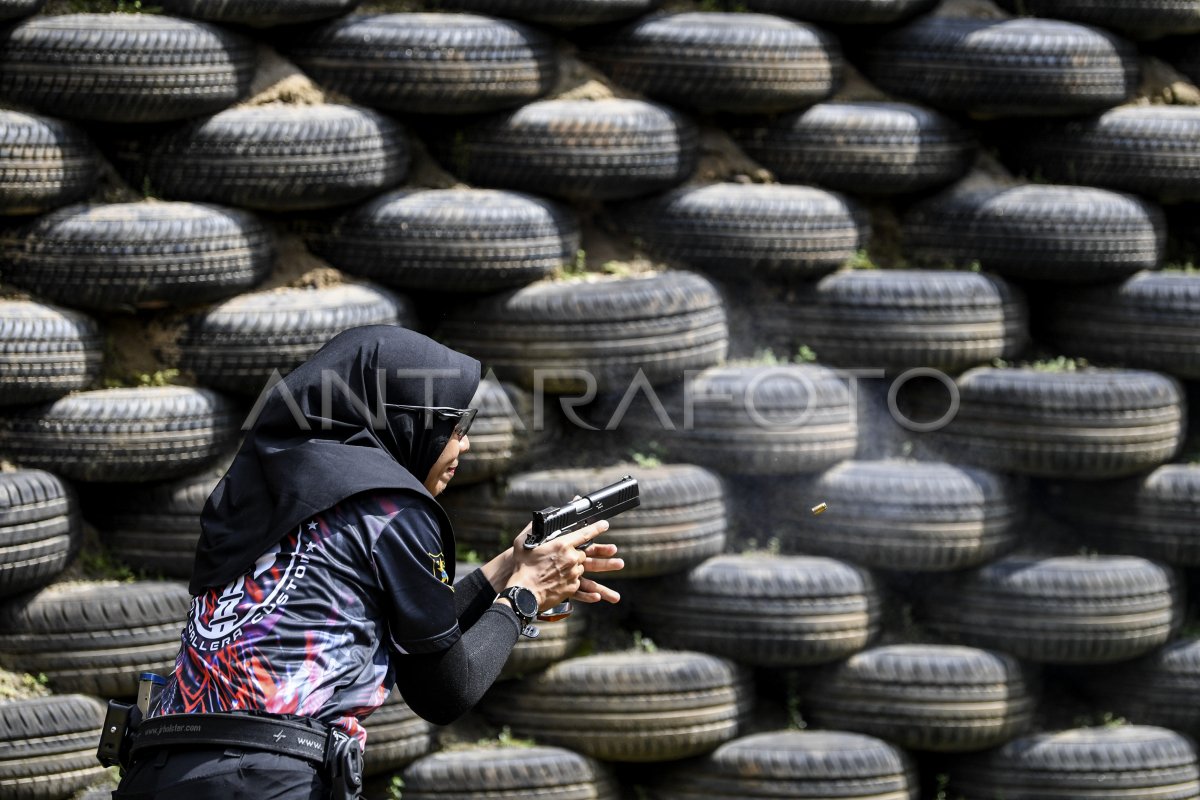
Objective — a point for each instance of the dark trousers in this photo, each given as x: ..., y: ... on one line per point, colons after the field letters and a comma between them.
x: 220, y: 773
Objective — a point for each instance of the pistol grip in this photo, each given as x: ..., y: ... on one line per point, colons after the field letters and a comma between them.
x: 555, y: 613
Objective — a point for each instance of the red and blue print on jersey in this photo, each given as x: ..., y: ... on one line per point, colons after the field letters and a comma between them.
x: 312, y: 628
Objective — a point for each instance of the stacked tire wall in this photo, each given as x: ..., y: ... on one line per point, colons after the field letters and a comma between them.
x: 930, y: 264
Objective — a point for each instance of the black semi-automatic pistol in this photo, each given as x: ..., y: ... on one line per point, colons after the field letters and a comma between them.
x: 551, y: 523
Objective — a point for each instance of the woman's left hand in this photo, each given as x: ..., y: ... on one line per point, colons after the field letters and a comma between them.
x: 600, y: 558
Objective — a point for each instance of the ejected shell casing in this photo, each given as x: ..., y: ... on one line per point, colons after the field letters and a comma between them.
x: 819, y: 508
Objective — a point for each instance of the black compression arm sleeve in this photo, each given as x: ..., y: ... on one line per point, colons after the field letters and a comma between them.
x: 472, y: 596
x: 441, y: 687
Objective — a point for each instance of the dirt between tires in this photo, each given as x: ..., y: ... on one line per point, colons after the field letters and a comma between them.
x: 137, y: 350
x: 8, y: 292
x: 15, y: 686
x: 297, y: 268
x: 1163, y: 85
x: 277, y: 80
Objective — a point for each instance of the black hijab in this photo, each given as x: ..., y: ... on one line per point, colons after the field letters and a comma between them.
x: 320, y: 437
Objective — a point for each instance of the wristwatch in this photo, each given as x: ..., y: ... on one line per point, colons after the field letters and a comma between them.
x: 523, y: 601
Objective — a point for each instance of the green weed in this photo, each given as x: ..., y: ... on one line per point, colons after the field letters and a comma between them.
x: 643, y: 643
x: 1101, y: 719
x: 1056, y: 364
x: 98, y: 564
x: 651, y: 456
x: 794, y: 698
x: 162, y: 377
x: 620, y: 269
x: 646, y: 460
x: 772, y: 547
x: 862, y: 260
x: 505, y: 738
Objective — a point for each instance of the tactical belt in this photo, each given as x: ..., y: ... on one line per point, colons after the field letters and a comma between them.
x: 271, y: 734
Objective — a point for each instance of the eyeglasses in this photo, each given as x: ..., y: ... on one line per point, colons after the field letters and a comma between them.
x: 463, y: 416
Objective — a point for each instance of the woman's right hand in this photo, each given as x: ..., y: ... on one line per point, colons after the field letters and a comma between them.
x: 553, y: 570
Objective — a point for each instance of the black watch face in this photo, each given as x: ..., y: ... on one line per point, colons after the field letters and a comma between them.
x: 526, y: 602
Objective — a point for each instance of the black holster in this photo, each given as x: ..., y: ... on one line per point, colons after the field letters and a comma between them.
x: 343, y: 765
x: 116, y: 737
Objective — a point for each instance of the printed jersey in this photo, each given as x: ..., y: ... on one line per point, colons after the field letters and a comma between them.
x: 312, y: 628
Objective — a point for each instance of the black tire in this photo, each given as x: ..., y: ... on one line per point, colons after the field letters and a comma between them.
x: 48, y: 746
x: 760, y: 420
x: 1071, y: 234
x: 237, y: 345
x: 1019, y: 67
x: 578, y: 149
x: 631, y: 706
x: 453, y: 240
x: 11, y: 9
x: 123, y: 67
x: 795, y: 763
x: 1123, y: 762
x: 938, y: 698
x: 661, y: 324
x: 140, y: 434
x: 1151, y: 150
x: 95, y: 638
x: 39, y: 529
x: 396, y: 737
x: 480, y: 524
x: 907, y: 515
x: 478, y: 528
x: 505, y: 434
x: 1088, y: 424
x: 153, y: 527
x: 765, y: 611
x: 557, y: 13
x: 275, y: 157
x: 845, y: 12
x: 739, y: 63
x: 44, y: 163
x: 508, y: 773
x: 1148, y: 321
x: 429, y: 63
x: 1066, y: 610
x: 902, y: 319
x: 1151, y: 515
x: 1162, y: 688
x: 1142, y: 19
x: 259, y: 13
x: 868, y: 148
x: 125, y: 256
x: 732, y: 230
x: 681, y: 520
x: 46, y: 351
